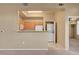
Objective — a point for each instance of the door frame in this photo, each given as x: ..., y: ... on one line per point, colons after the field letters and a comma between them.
x: 67, y: 31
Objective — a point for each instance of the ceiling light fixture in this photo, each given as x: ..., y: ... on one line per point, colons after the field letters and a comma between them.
x: 34, y: 11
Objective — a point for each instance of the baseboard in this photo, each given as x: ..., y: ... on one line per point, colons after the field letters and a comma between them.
x: 23, y: 49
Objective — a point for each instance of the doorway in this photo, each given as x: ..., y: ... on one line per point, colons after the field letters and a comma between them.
x: 73, y: 34
x: 72, y: 29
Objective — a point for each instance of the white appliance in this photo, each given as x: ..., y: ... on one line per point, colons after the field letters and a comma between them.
x: 50, y: 29
x: 38, y: 28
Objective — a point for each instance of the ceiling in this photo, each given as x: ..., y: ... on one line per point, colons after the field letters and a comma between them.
x: 40, y: 6
x: 49, y: 5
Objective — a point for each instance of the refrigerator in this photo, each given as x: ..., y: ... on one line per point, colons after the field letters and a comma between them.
x: 50, y: 29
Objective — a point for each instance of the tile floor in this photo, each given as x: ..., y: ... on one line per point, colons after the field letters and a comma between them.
x: 74, y: 45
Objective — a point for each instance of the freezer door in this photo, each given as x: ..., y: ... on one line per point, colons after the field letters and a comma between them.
x: 50, y: 28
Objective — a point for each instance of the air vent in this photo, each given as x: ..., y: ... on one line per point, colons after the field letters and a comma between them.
x: 60, y: 4
x: 25, y: 4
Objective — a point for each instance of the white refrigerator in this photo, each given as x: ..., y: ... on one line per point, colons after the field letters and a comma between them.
x: 50, y: 29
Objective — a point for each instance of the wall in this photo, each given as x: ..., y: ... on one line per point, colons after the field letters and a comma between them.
x: 11, y: 39
x: 59, y: 18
